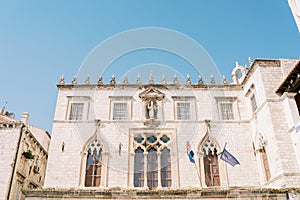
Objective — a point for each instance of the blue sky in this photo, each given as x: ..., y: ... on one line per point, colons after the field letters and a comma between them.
x: 41, y: 40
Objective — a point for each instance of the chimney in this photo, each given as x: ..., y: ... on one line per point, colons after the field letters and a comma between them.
x: 25, y: 118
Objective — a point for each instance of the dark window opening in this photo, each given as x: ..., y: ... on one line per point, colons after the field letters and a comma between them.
x: 211, y: 168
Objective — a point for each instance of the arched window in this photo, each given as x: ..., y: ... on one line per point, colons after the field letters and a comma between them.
x: 166, y: 179
x: 139, y: 167
x: 211, y: 164
x: 94, y: 165
x: 152, y: 175
x: 265, y: 163
x: 152, y: 152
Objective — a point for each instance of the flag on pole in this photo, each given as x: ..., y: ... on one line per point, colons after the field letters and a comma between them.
x: 191, y: 156
x: 229, y: 158
x: 190, y: 152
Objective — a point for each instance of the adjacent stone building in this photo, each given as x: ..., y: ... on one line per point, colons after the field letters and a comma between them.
x: 24, y: 153
x: 127, y: 141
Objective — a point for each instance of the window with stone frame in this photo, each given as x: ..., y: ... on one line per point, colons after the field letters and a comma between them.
x: 76, y: 111
x: 265, y: 163
x: 153, y: 154
x: 183, y: 111
x: 94, y: 164
x: 184, y: 107
x: 253, y: 102
x: 78, y: 107
x: 120, y: 107
x: 226, y: 111
x: 120, y: 111
x: 211, y: 163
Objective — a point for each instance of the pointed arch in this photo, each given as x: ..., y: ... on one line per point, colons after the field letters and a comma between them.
x: 260, y: 148
x: 94, y: 162
x: 209, y: 151
x: 213, y: 172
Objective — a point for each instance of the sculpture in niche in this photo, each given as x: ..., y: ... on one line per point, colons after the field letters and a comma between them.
x: 151, y: 97
x: 152, y: 109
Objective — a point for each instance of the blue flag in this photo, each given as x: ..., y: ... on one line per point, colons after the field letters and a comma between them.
x: 229, y: 158
x: 191, y: 156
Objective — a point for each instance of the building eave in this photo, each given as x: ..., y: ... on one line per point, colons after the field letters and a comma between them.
x: 292, y: 82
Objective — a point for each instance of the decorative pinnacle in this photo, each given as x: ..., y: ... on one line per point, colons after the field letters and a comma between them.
x: 151, y: 80
x: 113, y: 80
x: 138, y: 80
x: 175, y: 79
x: 188, y: 79
x: 212, y: 80
x: 87, y: 80
x: 74, y: 81
x: 163, y: 79
x: 61, y: 80
x: 224, y: 80
x: 125, y: 81
x: 100, y: 82
x: 200, y: 80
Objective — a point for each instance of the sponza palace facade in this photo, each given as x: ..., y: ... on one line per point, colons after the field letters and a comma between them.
x: 130, y: 140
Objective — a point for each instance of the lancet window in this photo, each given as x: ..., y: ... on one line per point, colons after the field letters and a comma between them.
x: 211, y: 163
x: 94, y: 164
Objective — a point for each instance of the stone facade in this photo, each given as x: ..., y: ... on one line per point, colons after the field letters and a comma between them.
x: 23, y: 157
x: 139, y: 138
x: 295, y: 7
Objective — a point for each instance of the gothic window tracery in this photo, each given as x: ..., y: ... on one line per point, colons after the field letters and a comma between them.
x: 152, y: 161
x: 94, y: 164
x: 211, y: 163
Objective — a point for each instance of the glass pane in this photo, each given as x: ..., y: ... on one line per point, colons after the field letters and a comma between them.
x: 152, y: 174
x: 166, y: 178
x: 152, y: 139
x: 138, y: 168
x: 120, y: 111
x: 76, y: 112
x: 164, y: 139
x: 227, y: 111
x: 139, y: 139
x: 183, y: 111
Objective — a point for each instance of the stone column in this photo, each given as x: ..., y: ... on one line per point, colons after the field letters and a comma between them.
x: 159, y: 170
x: 131, y: 171
x: 83, y: 169
x: 145, y: 170
x: 201, y: 170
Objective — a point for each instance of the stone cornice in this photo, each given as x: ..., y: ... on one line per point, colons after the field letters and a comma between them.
x: 193, y: 193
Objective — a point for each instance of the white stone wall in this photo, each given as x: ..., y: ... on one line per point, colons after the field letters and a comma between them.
x: 8, y: 147
x: 66, y: 168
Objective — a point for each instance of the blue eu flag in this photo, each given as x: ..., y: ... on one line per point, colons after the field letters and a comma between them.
x: 229, y: 158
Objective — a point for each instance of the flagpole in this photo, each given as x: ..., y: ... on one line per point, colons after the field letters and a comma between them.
x: 198, y: 174
x: 226, y: 167
x: 227, y: 174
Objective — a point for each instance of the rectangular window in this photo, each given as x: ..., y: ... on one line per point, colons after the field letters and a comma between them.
x: 76, y: 112
x: 120, y: 111
x: 226, y: 111
x: 253, y: 103
x: 183, y: 111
